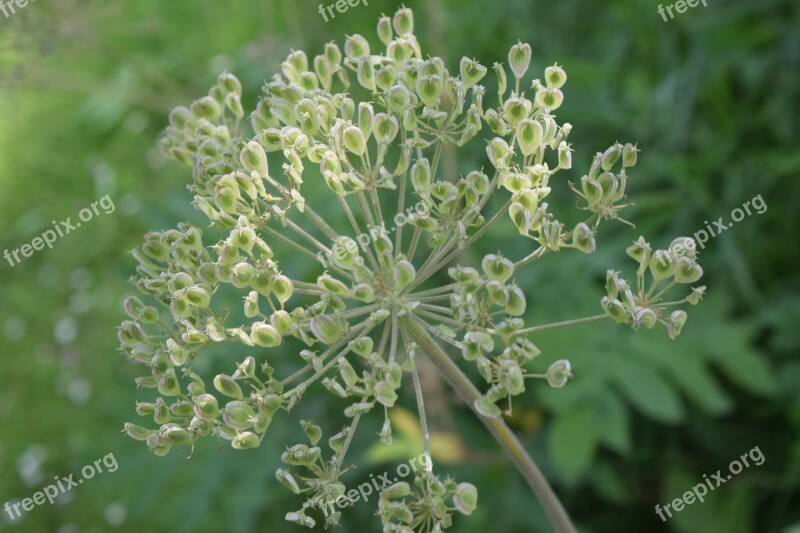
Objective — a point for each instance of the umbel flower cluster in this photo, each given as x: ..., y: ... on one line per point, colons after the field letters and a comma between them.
x: 378, y: 305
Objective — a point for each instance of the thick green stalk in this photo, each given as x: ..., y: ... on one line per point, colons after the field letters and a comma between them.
x: 507, y: 439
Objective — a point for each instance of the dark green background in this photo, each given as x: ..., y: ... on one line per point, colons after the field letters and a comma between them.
x: 713, y: 100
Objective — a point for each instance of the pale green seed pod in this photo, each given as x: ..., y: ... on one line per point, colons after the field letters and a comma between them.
x: 180, y: 117
x: 362, y: 346
x: 614, y: 309
x: 630, y: 155
x: 366, y: 74
x: 385, y: 394
x: 333, y: 55
x: 385, y: 30
x: 676, y: 322
x: 662, y: 265
x: 386, y: 128
x: 644, y: 316
x: 529, y: 135
x: 161, y: 413
x: 354, y: 140
x: 465, y: 499
x: 519, y: 57
x: 286, y: 479
x: 428, y: 89
x: 687, y: 270
x: 328, y: 283
x: 499, y: 152
x: 325, y: 329
x: 520, y: 216
x: 640, y: 251
x: 498, y: 294
x: 583, y: 238
x: 555, y: 77
x: 401, y: 489
x: 516, y: 109
x: 486, y: 407
x: 169, y: 385
x: 564, y: 156
x: 696, y: 295
x: 206, y: 407
x: 549, y: 98
x: 175, y: 435
x: 207, y: 108
x: 496, y: 122
x: 403, y: 21
x: 282, y: 321
x: 559, y: 373
x: 238, y: 415
x: 471, y: 72
x: 364, y: 292
x: 283, y: 288
x: 245, y: 441
x: 385, y: 76
x: 324, y: 72
x: 421, y: 175
x: 262, y: 282
x: 502, y: 80
x: 265, y: 335
x: 366, y: 114
x: 251, y: 305
x: 611, y: 156
x: 497, y: 267
x: 356, y: 47
x: 137, y: 432
x: 348, y: 374
x: 403, y: 273
x: 228, y: 386
x: 241, y: 274
x: 516, y: 301
x: 234, y: 104
x: 300, y: 519
x: 254, y: 159
x: 592, y: 191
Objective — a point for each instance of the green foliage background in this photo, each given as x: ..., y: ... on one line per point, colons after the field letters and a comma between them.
x: 712, y: 98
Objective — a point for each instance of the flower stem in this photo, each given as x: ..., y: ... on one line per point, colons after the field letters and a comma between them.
x: 563, y: 324
x: 502, y: 433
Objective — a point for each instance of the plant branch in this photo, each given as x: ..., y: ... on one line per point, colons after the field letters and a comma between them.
x: 502, y: 433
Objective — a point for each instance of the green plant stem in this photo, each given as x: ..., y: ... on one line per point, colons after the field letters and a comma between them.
x: 502, y: 433
x: 555, y: 325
